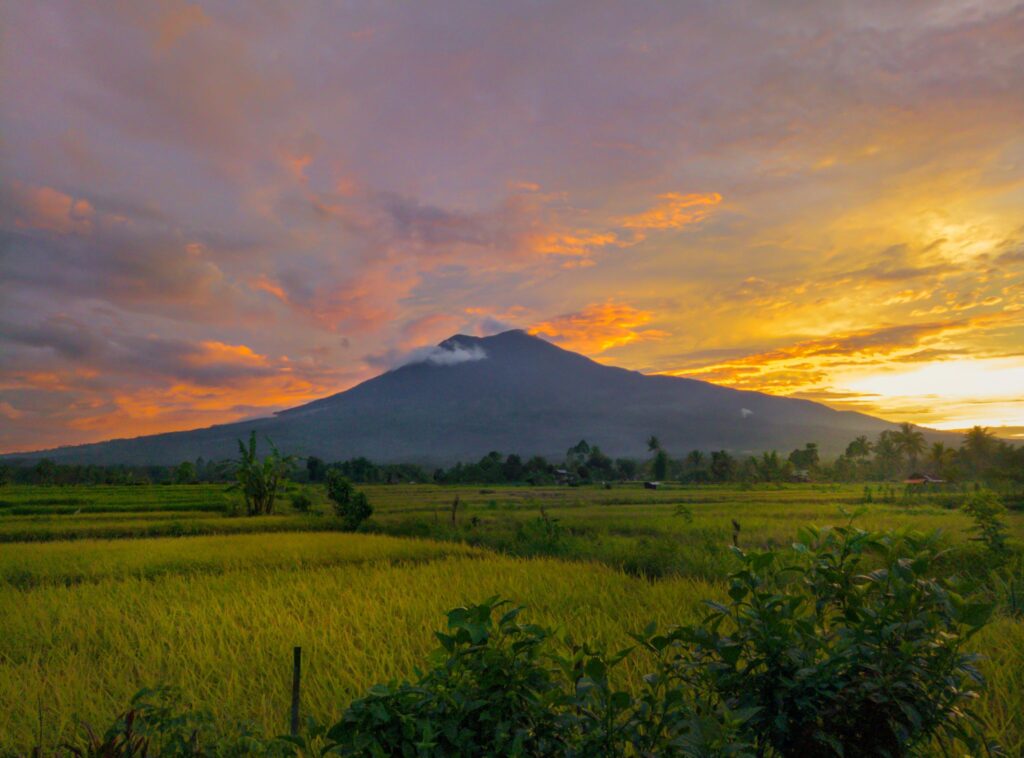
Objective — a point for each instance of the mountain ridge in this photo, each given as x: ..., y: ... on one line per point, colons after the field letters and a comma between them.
x: 511, y: 392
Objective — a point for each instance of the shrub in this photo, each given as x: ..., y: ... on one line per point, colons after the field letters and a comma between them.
x: 260, y: 480
x: 984, y: 507
x: 854, y: 651
x: 301, y: 502
x: 498, y: 691
x: 350, y: 505
x: 160, y: 723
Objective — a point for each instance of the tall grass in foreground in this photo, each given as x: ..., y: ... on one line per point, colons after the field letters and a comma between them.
x: 78, y: 653
x: 72, y: 654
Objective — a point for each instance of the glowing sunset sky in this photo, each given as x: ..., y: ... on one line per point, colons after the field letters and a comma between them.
x: 214, y: 211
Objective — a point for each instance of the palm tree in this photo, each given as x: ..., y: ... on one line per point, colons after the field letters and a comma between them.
x: 859, y: 448
x: 910, y: 442
x: 653, y: 443
x: 888, y: 458
x: 979, y: 447
x: 940, y: 457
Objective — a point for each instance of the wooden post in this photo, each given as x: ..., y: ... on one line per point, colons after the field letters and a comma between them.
x: 296, y: 678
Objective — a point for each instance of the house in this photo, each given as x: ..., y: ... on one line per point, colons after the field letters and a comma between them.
x: 562, y: 476
x: 651, y: 485
x: 917, y: 478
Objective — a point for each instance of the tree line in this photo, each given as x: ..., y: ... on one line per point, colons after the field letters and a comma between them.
x: 892, y: 456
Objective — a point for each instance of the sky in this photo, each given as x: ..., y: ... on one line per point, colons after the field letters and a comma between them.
x: 213, y: 211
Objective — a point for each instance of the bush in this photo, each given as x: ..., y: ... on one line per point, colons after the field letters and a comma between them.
x: 350, y: 505
x: 984, y: 507
x: 498, y: 691
x: 260, y: 481
x: 301, y: 502
x: 159, y: 723
x: 853, y: 651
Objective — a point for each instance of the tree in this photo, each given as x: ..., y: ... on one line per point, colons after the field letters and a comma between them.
x: 653, y: 443
x: 512, y: 470
x: 807, y: 458
x: 723, y: 466
x: 859, y: 448
x: 769, y: 467
x: 316, y: 469
x: 888, y: 460
x: 659, y: 467
x: 910, y: 443
x: 940, y: 459
x: 260, y: 481
x: 350, y: 505
x: 576, y: 456
x: 979, y: 449
x: 45, y: 472
x: 600, y: 465
x: 185, y: 473
x: 626, y: 469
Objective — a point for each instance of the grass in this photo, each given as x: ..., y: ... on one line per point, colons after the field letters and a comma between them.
x: 85, y: 622
x: 68, y: 563
x: 80, y: 652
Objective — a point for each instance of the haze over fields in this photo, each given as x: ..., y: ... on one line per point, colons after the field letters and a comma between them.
x: 213, y: 212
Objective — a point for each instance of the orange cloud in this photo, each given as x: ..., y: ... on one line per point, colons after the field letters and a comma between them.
x: 577, y: 243
x: 802, y: 365
x: 674, y: 211
x: 599, y: 327
x: 212, y: 353
x: 265, y: 284
x: 47, y: 209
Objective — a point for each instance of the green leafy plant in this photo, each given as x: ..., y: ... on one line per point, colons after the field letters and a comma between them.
x: 350, y: 505
x: 260, y: 481
x: 853, y: 649
x: 160, y: 723
x: 987, y: 512
x: 301, y: 502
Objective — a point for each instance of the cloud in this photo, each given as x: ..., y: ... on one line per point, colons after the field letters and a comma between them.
x: 451, y: 356
x: 752, y: 196
x: 45, y: 209
x: 599, y: 327
x: 447, y: 354
x: 674, y: 212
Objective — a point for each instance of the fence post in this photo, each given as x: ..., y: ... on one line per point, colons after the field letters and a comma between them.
x: 296, y: 678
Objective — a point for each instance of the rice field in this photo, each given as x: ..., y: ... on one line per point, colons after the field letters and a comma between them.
x: 86, y: 622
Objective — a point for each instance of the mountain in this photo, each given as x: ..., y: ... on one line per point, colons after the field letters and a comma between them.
x: 513, y: 393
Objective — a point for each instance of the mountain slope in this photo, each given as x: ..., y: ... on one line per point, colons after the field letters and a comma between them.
x: 514, y: 393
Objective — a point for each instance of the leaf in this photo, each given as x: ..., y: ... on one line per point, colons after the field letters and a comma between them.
x: 975, y: 614
x: 595, y: 669
x: 737, y: 592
